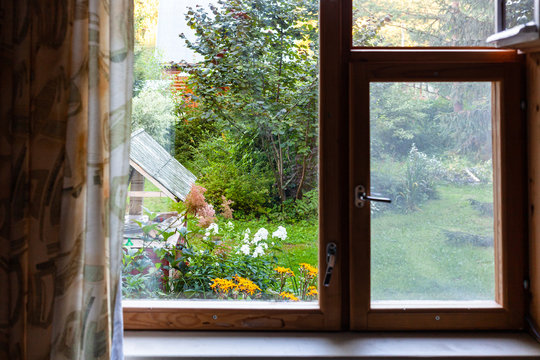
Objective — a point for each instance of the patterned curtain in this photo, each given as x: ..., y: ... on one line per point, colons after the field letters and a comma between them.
x: 65, y: 95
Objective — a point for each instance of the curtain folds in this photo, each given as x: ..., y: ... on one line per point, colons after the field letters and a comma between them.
x: 64, y: 146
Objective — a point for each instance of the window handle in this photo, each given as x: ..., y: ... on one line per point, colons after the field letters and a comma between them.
x: 360, y: 197
x: 331, y: 253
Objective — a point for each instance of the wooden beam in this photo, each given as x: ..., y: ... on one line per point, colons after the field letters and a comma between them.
x: 533, y: 101
x: 137, y: 185
x: 152, y: 180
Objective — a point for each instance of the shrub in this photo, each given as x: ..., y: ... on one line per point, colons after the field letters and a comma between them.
x: 153, y: 110
x: 227, y: 169
x: 408, y: 184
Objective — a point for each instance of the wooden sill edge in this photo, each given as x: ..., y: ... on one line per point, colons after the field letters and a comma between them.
x: 146, y: 345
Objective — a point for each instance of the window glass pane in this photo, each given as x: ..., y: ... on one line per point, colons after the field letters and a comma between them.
x: 422, y: 22
x: 518, y: 12
x: 224, y: 186
x: 431, y: 153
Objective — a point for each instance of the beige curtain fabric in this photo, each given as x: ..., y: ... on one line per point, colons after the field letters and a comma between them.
x: 65, y: 108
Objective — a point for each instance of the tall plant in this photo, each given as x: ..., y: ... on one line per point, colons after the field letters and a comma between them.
x: 258, y: 82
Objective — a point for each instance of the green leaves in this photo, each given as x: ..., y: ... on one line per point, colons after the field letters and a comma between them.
x: 258, y: 80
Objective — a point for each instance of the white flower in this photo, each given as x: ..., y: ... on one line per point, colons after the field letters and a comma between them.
x: 258, y: 251
x: 280, y: 233
x: 230, y: 225
x: 216, y: 264
x: 261, y: 234
x: 245, y: 249
x: 246, y: 238
x: 214, y: 228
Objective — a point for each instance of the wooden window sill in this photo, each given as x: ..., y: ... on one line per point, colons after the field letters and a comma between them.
x: 142, y: 345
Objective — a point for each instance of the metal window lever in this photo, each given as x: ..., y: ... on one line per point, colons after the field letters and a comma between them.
x: 360, y: 197
x: 331, y: 253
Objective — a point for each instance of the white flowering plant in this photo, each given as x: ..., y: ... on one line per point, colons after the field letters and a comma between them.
x: 224, y: 249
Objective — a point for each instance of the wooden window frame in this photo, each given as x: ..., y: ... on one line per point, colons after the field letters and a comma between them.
x: 332, y: 308
x: 504, y: 69
x: 343, y: 306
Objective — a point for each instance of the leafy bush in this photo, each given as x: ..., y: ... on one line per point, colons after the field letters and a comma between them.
x: 306, y: 208
x: 421, y: 173
x: 226, y: 168
x: 153, y: 110
x: 408, y: 184
x: 175, y: 262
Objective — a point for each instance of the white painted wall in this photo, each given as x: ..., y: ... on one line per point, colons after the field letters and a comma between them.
x: 171, y: 23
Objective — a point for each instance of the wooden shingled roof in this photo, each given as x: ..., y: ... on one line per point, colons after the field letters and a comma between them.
x: 159, y: 167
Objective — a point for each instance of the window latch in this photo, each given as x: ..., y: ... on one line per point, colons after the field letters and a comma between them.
x: 331, y: 253
x: 360, y: 197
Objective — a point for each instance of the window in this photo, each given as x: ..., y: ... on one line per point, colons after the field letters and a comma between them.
x: 517, y: 24
x: 461, y: 273
x: 254, y: 38
x: 351, y: 78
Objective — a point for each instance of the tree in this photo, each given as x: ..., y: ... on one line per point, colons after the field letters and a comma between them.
x: 258, y: 82
x: 153, y: 110
x: 427, y: 22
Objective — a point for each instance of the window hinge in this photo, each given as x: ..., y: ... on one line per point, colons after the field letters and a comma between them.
x: 331, y: 253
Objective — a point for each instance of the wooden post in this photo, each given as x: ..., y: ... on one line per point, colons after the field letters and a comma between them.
x: 137, y: 184
x: 533, y: 101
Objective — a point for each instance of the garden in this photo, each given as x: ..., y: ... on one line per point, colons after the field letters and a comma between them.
x: 246, y: 125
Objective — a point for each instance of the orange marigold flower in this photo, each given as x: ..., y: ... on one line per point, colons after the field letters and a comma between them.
x: 245, y: 285
x: 312, y: 291
x: 284, y: 271
x: 308, y: 270
x: 288, y: 296
x: 222, y: 285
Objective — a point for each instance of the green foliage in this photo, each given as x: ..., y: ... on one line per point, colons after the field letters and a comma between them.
x: 421, y: 174
x: 258, y: 83
x: 153, y: 110
x: 306, y: 208
x: 518, y: 12
x: 147, y: 66
x: 188, y: 268
x: 408, y: 184
x: 190, y: 134
x: 403, y: 114
x: 232, y: 169
x: 468, y: 126
x: 423, y: 22
x: 138, y: 278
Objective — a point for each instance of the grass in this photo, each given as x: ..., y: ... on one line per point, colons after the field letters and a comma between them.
x: 412, y: 257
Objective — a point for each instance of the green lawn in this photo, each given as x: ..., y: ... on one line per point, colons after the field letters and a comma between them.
x: 413, y: 257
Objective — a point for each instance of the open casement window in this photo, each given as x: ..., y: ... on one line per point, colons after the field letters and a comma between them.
x: 517, y: 24
x: 449, y: 252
